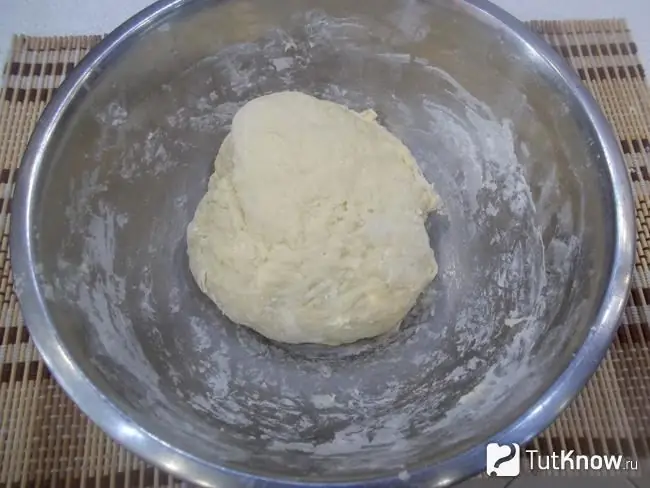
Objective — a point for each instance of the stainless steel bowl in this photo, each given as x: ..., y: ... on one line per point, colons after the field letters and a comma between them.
x: 535, y: 242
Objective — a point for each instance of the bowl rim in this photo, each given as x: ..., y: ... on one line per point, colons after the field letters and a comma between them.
x: 125, y: 431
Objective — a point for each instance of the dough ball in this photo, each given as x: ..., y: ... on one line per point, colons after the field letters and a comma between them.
x: 312, y: 228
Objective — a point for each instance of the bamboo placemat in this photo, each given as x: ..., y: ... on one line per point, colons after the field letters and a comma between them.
x: 46, y: 441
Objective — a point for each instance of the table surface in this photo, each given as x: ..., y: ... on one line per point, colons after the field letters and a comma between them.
x: 62, y: 17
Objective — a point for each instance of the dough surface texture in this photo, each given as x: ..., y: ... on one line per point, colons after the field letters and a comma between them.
x: 312, y: 228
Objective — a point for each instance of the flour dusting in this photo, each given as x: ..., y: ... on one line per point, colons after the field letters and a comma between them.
x: 463, y: 353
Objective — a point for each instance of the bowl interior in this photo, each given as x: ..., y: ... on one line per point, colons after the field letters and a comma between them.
x: 524, y: 248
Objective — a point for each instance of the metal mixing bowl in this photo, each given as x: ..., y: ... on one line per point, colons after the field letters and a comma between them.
x: 535, y: 242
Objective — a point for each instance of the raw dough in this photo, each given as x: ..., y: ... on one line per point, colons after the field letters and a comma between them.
x: 312, y: 229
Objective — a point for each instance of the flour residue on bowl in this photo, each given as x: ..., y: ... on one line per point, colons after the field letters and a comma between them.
x: 377, y: 404
x: 100, y: 288
x: 488, y: 184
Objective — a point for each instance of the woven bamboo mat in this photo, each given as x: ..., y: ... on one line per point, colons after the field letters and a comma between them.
x: 46, y: 441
